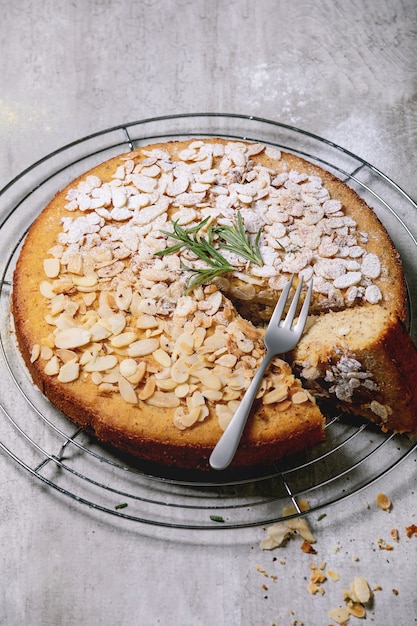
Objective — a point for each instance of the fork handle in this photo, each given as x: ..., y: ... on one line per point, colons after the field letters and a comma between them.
x: 226, y: 447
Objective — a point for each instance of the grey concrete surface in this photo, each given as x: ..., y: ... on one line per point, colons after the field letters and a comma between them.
x: 344, y: 70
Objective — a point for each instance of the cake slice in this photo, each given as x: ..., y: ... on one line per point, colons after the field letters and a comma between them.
x: 365, y: 362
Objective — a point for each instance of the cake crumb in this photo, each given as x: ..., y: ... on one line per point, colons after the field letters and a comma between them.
x: 308, y: 548
x: 383, y: 545
x: 279, y: 533
x: 317, y: 578
x: 411, y: 531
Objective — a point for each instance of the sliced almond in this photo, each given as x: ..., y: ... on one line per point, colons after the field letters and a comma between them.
x: 99, y: 332
x: 184, y: 420
x: 198, y: 336
x: 58, y: 303
x: 72, y: 337
x: 85, y: 281
x: 35, y: 354
x: 162, y: 357
x: 208, y: 379
x: 52, y: 367
x: 52, y: 267
x: 66, y: 355
x: 277, y: 536
x: 101, y: 363
x: 224, y: 415
x: 340, y: 615
x: 111, y: 376
x: 361, y: 589
x: 89, y: 298
x: 184, y: 344
x: 137, y: 377
x: 196, y: 399
x: 128, y: 367
x: 46, y: 289
x: 143, y: 347
x: 299, y: 397
x: 231, y: 394
x: 276, y: 395
x: 147, y: 322
x: 148, y: 389
x: 227, y: 360
x: 212, y: 394
x: 97, y: 378
x: 213, y: 343
x: 181, y: 391
x: 164, y: 400
x: 123, y: 339
x: 105, y: 389
x: 127, y: 391
x: 356, y: 609
x: 75, y: 264
x: 168, y: 384
x: 69, y: 372
x: 180, y: 371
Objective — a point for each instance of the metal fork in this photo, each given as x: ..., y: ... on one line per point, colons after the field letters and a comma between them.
x: 280, y: 336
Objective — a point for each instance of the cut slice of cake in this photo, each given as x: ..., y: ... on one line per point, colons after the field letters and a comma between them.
x: 365, y: 362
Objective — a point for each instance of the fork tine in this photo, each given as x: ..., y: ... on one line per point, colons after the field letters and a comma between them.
x: 304, y: 309
x: 280, y: 306
x: 293, y: 308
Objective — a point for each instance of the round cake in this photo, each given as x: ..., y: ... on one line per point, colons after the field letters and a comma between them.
x: 142, y: 290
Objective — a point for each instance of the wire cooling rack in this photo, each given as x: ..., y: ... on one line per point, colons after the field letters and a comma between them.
x: 65, y: 458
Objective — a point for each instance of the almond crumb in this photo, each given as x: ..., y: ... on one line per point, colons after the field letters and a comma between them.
x: 383, y: 502
x: 308, y: 548
x: 262, y: 571
x: 340, y: 615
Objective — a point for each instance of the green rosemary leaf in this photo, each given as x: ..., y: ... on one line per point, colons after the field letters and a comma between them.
x: 232, y: 238
x: 183, y: 236
x: 202, y: 276
x: 236, y: 240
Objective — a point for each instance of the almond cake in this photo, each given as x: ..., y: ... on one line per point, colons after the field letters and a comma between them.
x: 142, y: 291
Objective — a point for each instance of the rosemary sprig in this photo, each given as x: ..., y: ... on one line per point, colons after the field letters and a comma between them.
x: 237, y: 241
x: 183, y: 236
x: 203, y: 248
x: 232, y: 238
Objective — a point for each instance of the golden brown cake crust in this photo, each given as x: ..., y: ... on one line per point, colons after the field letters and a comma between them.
x: 148, y: 431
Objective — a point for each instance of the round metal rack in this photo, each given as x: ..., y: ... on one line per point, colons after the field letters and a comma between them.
x: 48, y: 446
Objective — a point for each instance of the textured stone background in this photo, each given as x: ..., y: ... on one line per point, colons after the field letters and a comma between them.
x: 345, y: 70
